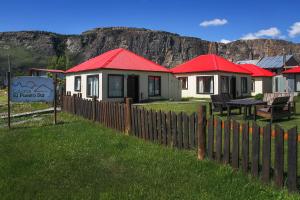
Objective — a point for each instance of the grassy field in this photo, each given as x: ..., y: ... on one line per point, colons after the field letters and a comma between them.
x: 78, y: 159
x: 192, y: 106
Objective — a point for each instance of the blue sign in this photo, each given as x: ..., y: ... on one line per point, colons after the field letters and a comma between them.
x: 32, y: 89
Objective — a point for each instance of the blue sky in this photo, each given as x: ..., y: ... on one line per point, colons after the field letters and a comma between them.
x: 213, y: 20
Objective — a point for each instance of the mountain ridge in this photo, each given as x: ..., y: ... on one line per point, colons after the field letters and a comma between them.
x: 35, y: 48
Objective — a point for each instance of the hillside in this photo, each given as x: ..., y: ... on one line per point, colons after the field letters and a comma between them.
x: 35, y: 48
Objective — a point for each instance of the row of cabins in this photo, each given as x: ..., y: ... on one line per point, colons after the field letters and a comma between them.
x: 120, y: 73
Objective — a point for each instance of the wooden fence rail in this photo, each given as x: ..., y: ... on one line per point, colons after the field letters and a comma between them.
x: 224, y: 141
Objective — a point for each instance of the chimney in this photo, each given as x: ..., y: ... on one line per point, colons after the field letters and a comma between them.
x: 284, y: 59
x: 251, y: 55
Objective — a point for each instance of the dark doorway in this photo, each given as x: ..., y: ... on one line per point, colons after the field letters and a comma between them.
x: 133, y: 87
x: 233, y: 87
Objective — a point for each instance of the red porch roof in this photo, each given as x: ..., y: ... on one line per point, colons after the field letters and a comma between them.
x: 257, y: 71
x: 119, y: 59
x: 208, y: 63
x: 47, y: 70
x: 295, y: 70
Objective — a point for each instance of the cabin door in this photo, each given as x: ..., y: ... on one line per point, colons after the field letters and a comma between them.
x: 133, y: 88
x: 233, y: 87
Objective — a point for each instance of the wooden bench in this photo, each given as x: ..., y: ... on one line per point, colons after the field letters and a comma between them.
x: 277, y: 110
x: 269, y: 98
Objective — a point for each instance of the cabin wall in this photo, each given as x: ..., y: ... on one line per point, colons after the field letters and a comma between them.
x: 170, y: 87
x: 70, y: 83
x: 262, y: 85
x: 192, y: 84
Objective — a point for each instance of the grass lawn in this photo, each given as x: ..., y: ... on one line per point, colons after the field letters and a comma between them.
x: 78, y: 159
x: 192, y: 106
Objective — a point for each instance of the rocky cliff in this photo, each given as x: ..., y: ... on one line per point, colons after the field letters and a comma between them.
x: 34, y: 48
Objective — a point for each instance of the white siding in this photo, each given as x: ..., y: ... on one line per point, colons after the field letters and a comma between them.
x: 70, y: 82
x: 192, y: 87
x: 170, y: 88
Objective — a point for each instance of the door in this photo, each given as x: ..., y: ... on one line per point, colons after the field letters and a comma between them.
x: 133, y: 87
x: 233, y: 87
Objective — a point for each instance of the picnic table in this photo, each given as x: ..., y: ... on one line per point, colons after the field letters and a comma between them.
x: 246, y: 104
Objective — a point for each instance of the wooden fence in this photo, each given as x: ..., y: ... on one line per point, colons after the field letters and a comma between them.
x: 242, y: 145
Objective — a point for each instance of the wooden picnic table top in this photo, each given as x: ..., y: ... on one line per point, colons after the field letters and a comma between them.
x: 246, y: 102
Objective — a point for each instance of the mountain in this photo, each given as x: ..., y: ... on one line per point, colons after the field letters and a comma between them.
x: 35, y: 48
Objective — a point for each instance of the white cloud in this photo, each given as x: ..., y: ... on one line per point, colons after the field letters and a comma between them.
x: 294, y: 29
x: 270, y: 32
x: 225, y: 41
x: 214, y: 22
x: 249, y: 36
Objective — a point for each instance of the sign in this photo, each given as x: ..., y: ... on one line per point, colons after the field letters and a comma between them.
x: 32, y: 89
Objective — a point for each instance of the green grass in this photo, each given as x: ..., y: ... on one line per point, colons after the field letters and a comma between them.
x: 192, y: 106
x: 78, y: 159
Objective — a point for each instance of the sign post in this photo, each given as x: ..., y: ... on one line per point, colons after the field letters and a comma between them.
x: 8, y: 94
x: 55, y: 99
x: 8, y: 99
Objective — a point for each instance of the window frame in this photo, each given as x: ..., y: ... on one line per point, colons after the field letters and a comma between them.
x: 213, y: 85
x: 75, y: 78
x: 108, y: 94
x: 242, y: 91
x: 187, y: 82
x: 155, y: 95
x: 252, y: 85
x: 87, y: 78
x: 228, y: 89
x: 296, y: 75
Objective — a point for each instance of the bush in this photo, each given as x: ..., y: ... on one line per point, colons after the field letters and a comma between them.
x: 259, y: 96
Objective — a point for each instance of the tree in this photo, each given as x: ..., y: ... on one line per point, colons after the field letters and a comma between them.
x: 59, y: 62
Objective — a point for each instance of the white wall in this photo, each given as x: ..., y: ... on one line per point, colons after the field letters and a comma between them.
x: 170, y: 87
x: 70, y: 82
x: 258, y: 86
x: 169, y: 84
x: 192, y: 87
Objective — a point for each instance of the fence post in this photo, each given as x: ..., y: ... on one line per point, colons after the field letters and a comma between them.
x: 74, y: 104
x: 128, y: 116
x: 201, y: 132
x: 94, y: 108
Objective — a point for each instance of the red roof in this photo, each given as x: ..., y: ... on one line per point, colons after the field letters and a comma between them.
x: 208, y: 63
x: 294, y: 70
x: 120, y: 59
x: 47, y: 70
x: 257, y: 71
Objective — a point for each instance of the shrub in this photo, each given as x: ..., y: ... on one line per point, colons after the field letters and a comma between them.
x: 259, y: 96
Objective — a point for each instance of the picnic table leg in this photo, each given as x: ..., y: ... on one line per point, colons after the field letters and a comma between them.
x: 254, y: 114
x: 210, y: 108
x: 228, y: 111
x: 249, y: 110
x: 245, y: 112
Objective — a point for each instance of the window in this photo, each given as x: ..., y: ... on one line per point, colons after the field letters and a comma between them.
x: 77, y: 83
x: 205, y: 85
x: 92, y: 86
x: 297, y: 86
x: 115, y: 86
x: 224, y: 84
x: 154, y: 86
x: 184, y: 82
x: 244, y: 85
x: 253, y: 85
